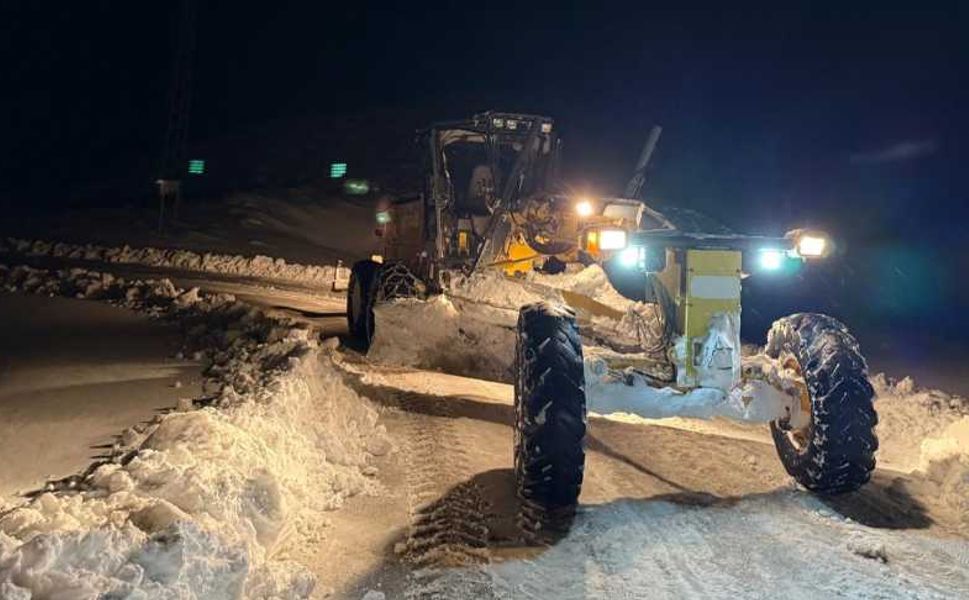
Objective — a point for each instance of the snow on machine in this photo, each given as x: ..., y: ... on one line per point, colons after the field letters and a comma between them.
x: 490, y: 204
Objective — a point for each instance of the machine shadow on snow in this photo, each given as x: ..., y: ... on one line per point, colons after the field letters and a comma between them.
x: 885, y: 503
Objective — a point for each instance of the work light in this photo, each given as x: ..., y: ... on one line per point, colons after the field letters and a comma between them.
x: 812, y: 246
x: 771, y: 259
x: 612, y: 239
x: 809, y: 244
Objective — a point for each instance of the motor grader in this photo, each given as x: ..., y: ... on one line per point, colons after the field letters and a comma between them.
x: 491, y: 202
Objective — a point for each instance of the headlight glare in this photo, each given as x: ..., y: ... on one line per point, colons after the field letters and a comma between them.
x: 812, y: 246
x: 630, y: 257
x: 771, y: 259
x: 612, y: 239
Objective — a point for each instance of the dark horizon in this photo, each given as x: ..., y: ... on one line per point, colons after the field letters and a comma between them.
x: 846, y: 119
x: 776, y: 110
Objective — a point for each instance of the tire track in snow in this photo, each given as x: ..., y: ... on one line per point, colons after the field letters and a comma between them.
x: 779, y: 544
x: 448, y: 513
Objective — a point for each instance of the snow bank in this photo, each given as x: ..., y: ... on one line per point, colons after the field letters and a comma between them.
x: 908, y: 415
x: 493, y: 287
x: 200, y: 503
x: 926, y: 431
x: 255, y: 266
x: 591, y: 281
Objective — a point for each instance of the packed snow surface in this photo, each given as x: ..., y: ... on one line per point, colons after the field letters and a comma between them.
x: 202, y: 502
x: 659, y: 549
x: 61, y: 383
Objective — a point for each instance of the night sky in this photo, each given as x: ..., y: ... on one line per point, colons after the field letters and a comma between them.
x: 850, y: 118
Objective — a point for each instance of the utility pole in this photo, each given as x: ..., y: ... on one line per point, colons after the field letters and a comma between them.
x: 173, y: 155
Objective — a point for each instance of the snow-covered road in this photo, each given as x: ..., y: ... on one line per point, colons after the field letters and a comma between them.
x: 696, y: 509
x: 73, y: 374
x: 667, y: 512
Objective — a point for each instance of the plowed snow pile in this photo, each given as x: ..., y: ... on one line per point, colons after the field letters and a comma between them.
x: 203, y: 502
x: 448, y: 335
x: 471, y: 331
x: 927, y: 431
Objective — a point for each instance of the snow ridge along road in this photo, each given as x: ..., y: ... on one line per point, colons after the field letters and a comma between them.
x: 207, y: 501
x: 256, y: 266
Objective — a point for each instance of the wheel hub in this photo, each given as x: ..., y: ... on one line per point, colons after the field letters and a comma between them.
x: 798, y: 435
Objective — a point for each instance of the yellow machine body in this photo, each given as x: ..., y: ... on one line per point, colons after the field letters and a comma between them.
x: 517, y: 257
x: 703, y: 284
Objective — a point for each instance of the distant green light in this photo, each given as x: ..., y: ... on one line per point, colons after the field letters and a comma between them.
x: 383, y: 217
x: 338, y: 170
x: 356, y: 187
x: 196, y: 167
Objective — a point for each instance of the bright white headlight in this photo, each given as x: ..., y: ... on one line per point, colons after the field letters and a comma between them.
x: 612, y: 239
x: 812, y: 246
x: 771, y: 259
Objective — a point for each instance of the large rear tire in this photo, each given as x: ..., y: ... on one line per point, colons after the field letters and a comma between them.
x: 835, y: 451
x: 550, y: 414
x: 361, y: 292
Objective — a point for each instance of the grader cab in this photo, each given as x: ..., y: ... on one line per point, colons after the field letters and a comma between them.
x: 491, y: 199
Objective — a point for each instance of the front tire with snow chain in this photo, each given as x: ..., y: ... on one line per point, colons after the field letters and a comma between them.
x: 550, y: 415
x: 835, y: 451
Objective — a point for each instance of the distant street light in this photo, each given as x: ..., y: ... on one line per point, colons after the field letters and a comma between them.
x: 338, y: 170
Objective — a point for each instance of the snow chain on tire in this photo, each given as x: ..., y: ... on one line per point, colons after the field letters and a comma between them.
x: 838, y: 453
x: 550, y: 415
x: 372, y: 283
x: 397, y: 281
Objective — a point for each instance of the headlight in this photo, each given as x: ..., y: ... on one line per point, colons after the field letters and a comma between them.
x: 771, y: 259
x: 812, y: 246
x: 612, y: 239
x: 809, y: 244
x: 584, y: 208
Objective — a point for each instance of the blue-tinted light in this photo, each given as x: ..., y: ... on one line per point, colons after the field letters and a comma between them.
x: 629, y: 257
x: 771, y: 259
